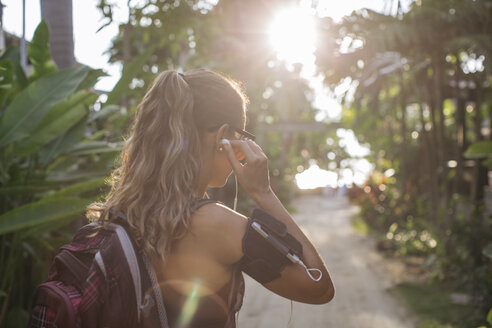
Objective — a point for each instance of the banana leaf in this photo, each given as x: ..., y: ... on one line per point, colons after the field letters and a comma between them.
x: 40, y: 212
x: 97, y: 135
x: 77, y: 189
x: 91, y: 79
x: 103, y: 112
x: 6, y: 79
x: 22, y: 190
x: 61, y: 117
x: 64, y: 176
x: 61, y: 144
x: 6, y: 73
x: 30, y: 106
x: 39, y: 53
x: 12, y: 54
x: 94, y: 147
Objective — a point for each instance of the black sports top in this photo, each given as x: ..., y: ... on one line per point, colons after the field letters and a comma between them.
x: 211, y: 311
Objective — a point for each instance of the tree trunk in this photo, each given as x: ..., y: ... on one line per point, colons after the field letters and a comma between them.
x: 403, y: 131
x: 424, y: 137
x: 434, y: 164
x: 479, y: 171
x: 58, y: 15
x: 428, y: 161
x: 460, y: 117
x: 443, y: 155
x: 437, y: 107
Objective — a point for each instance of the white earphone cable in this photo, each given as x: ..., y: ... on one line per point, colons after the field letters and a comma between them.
x: 235, y: 197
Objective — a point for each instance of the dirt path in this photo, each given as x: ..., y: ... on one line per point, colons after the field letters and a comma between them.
x: 363, y: 297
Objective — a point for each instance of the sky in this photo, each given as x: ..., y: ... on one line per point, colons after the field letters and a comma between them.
x: 90, y: 48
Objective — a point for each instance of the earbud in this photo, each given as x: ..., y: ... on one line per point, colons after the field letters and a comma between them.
x: 239, y: 155
x: 224, y: 142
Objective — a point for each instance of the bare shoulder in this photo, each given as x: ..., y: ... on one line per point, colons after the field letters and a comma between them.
x: 220, y: 230
x: 217, y: 214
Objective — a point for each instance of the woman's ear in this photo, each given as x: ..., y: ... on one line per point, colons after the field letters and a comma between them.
x: 222, y: 133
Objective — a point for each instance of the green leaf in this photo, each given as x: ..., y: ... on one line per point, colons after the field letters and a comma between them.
x: 61, y: 144
x: 41, y: 212
x: 487, y: 251
x: 91, y: 79
x: 60, y: 118
x: 13, y: 77
x: 30, y: 106
x: 78, y: 188
x: 17, y: 317
x: 103, y: 112
x: 64, y: 176
x: 6, y: 79
x: 479, y: 149
x: 489, y: 317
x: 13, y: 55
x: 39, y: 53
x: 6, y: 72
x: 130, y: 70
x: 22, y: 190
x: 98, y: 135
x: 487, y: 163
x: 94, y: 147
x: 41, y: 233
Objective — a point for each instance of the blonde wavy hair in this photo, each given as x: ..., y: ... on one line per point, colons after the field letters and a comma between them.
x: 161, y: 159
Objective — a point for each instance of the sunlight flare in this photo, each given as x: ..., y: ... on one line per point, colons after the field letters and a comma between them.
x: 293, y: 35
x: 315, y: 177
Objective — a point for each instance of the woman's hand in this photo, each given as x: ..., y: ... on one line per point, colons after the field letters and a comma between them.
x: 253, y: 175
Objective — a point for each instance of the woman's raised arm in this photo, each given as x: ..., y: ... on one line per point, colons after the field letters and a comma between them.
x: 253, y: 176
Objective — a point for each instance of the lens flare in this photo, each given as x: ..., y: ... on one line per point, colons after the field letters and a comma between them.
x: 190, y: 306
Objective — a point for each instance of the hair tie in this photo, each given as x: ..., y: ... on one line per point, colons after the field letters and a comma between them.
x: 183, y: 77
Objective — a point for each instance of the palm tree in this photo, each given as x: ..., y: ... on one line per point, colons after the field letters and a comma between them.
x: 58, y: 15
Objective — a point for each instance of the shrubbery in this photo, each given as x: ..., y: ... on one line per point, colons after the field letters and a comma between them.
x: 452, y: 254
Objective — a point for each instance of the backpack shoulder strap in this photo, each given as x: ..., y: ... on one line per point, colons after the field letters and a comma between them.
x: 130, y: 255
x: 131, y: 258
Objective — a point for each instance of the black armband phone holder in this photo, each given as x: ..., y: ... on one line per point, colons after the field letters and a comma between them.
x: 267, y: 247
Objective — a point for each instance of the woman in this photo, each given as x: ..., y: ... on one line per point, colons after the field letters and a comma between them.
x: 174, y: 152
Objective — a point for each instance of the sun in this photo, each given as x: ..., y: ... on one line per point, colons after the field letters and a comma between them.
x: 293, y: 35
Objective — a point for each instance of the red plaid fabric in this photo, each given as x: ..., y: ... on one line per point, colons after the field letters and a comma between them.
x: 42, y: 317
x: 77, y: 294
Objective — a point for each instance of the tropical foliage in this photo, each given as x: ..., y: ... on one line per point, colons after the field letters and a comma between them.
x: 52, y: 165
x: 420, y: 95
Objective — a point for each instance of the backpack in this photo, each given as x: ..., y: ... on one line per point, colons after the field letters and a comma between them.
x: 98, y: 279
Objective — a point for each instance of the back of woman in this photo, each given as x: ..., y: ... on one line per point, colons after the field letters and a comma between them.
x: 188, y: 135
x: 197, y: 290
